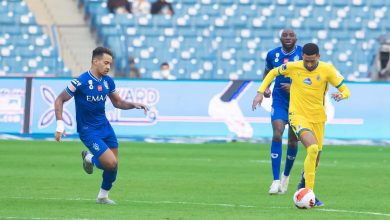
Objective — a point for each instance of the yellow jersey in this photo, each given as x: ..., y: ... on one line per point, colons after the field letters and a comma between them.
x: 308, y: 88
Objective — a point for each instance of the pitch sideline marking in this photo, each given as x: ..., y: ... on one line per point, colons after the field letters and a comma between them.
x: 195, y: 203
x: 39, y: 218
x: 338, y: 210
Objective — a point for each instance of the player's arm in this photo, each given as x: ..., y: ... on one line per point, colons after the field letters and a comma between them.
x: 266, y: 82
x: 268, y: 67
x: 337, y: 80
x: 267, y: 92
x: 122, y: 104
x: 343, y: 94
x: 58, y: 108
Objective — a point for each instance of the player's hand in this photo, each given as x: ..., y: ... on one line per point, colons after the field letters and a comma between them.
x: 337, y: 96
x: 58, y: 135
x: 257, y: 100
x: 267, y: 93
x: 285, y: 87
x: 141, y: 106
x: 60, y: 130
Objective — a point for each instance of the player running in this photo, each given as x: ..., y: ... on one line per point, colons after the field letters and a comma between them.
x: 90, y: 91
x: 310, y: 78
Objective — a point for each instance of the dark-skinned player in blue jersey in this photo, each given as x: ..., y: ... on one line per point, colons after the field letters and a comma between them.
x: 289, y: 51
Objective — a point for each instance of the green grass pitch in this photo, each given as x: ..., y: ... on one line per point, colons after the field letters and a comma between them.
x: 45, y: 180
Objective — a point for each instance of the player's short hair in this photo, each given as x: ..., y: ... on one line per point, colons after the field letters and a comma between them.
x: 310, y: 49
x: 164, y: 64
x: 99, y: 51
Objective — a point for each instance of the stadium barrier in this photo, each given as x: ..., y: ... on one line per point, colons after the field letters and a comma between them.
x: 188, y: 109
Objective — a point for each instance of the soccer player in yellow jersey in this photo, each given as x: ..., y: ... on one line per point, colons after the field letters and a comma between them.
x: 310, y: 78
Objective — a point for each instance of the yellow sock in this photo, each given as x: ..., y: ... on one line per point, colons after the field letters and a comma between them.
x: 310, y: 166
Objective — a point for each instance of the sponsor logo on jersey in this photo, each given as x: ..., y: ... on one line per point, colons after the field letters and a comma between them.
x: 97, y: 98
x: 307, y: 81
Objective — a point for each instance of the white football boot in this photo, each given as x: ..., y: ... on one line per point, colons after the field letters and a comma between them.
x: 274, y: 188
x: 105, y: 201
x: 284, y: 184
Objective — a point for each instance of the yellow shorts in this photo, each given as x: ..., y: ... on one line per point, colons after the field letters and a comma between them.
x: 300, y: 125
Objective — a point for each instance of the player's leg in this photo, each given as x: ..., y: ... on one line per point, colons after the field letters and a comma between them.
x: 319, y: 130
x: 109, y: 177
x: 292, y: 150
x: 110, y: 162
x: 306, y: 135
x: 310, y: 142
x: 98, y: 156
x: 276, y: 154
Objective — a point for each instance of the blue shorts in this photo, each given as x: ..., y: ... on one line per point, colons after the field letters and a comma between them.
x: 279, y: 111
x: 100, y: 140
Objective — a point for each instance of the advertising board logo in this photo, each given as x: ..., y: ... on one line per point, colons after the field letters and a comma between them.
x: 48, y: 117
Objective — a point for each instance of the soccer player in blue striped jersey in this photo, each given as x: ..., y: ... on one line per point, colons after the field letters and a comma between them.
x: 289, y: 51
x: 90, y: 91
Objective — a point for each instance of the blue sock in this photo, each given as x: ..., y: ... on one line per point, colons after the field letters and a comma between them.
x: 96, y: 162
x: 109, y: 176
x: 290, y: 158
x: 276, y: 158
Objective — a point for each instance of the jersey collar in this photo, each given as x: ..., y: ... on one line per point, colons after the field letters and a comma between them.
x: 318, y: 62
x: 293, y: 51
x: 93, y: 77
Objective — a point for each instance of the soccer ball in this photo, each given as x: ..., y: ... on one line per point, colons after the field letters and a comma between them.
x: 304, y: 198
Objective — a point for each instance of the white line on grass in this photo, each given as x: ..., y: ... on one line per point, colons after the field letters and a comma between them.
x: 38, y: 218
x: 192, y: 203
x: 338, y: 210
x: 141, y: 201
x: 356, y: 212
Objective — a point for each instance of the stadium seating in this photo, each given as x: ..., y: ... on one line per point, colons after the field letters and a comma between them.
x: 231, y: 37
x: 24, y: 48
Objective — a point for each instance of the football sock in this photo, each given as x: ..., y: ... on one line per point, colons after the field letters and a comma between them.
x: 96, y: 162
x: 290, y: 158
x: 103, y: 193
x: 276, y: 158
x: 109, y: 177
x: 310, y: 165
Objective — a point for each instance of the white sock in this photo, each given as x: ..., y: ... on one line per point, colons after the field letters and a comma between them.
x: 88, y: 158
x: 103, y: 193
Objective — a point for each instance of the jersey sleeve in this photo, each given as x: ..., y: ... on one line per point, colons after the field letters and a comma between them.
x: 111, y: 85
x: 268, y: 62
x: 72, y: 87
x: 267, y: 80
x: 335, y: 78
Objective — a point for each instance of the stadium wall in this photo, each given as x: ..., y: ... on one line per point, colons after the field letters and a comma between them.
x: 188, y: 109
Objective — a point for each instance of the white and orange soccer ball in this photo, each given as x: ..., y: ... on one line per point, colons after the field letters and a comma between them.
x: 304, y: 198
